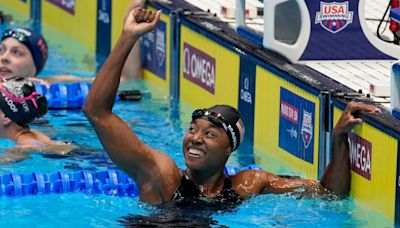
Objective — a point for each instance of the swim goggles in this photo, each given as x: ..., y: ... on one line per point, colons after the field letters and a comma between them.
x: 15, y: 99
x: 17, y: 34
x: 215, y: 117
x: 218, y: 120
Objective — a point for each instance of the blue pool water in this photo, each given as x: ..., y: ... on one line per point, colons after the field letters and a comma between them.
x: 160, y: 123
x: 153, y: 120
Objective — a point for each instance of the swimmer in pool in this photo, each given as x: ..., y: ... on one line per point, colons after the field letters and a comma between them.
x: 214, y: 134
x: 133, y: 64
x: 23, y: 53
x: 20, y: 105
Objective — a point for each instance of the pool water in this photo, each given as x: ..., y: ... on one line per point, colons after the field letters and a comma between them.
x: 160, y: 123
x: 152, y: 119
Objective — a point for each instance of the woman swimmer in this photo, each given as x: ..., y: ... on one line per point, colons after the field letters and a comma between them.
x: 23, y: 53
x: 20, y: 105
x: 213, y: 135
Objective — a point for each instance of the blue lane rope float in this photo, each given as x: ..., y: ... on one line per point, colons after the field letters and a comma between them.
x: 65, y: 95
x: 73, y: 95
x: 109, y: 182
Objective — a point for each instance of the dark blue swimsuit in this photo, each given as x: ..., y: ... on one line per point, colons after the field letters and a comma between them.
x: 188, y: 191
x: 188, y: 208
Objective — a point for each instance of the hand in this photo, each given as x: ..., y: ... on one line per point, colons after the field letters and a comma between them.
x: 349, y: 118
x: 133, y: 5
x: 141, y: 21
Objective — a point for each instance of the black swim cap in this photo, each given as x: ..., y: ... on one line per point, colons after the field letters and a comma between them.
x: 20, y: 102
x: 227, y: 117
x: 33, y: 41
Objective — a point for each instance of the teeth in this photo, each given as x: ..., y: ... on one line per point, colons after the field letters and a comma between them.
x: 196, y: 152
x: 3, y: 69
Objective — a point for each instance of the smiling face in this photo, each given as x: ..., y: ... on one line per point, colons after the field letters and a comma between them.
x: 15, y: 60
x: 205, y: 146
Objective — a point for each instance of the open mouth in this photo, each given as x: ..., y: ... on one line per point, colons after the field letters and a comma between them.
x: 196, y: 153
x: 4, y: 71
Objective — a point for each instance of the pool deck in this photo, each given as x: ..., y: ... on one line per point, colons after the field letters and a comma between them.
x: 356, y: 75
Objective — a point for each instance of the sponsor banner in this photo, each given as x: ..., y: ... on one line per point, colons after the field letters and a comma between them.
x: 154, y: 48
x: 373, y: 176
x: 103, y: 44
x: 246, y: 97
x: 360, y: 155
x: 199, y: 67
x: 247, y: 82
x: 67, y: 5
x: 336, y: 32
x: 296, y: 125
x: 203, y: 83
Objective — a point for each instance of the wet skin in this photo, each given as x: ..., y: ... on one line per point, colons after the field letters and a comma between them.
x: 205, y: 146
x: 15, y: 59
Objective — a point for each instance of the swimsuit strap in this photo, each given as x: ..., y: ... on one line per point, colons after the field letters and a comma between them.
x: 188, y: 189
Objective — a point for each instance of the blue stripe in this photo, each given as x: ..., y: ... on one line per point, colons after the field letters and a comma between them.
x: 103, y: 35
x: 246, y: 104
x: 396, y: 68
x: 36, y: 14
x: 175, y: 54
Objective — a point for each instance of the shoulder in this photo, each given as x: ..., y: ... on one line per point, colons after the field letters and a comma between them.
x: 251, y: 182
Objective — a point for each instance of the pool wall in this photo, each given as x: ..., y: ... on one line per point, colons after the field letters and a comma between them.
x: 289, y: 109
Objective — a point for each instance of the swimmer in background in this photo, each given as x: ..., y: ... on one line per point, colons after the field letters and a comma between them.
x: 23, y: 53
x: 214, y: 134
x: 133, y: 65
x: 19, y: 106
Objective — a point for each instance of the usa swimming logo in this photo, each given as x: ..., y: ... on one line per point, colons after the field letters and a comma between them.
x: 160, y: 47
x: 334, y: 16
x: 307, y: 128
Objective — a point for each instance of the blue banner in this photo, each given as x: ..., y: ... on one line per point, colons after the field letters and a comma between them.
x: 247, y: 95
x: 103, y: 36
x: 246, y: 104
x: 154, y: 48
x: 336, y: 32
x: 296, y: 125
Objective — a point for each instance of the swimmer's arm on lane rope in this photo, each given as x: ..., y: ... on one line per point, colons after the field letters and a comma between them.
x: 154, y: 172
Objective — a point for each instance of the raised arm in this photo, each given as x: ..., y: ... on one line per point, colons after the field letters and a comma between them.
x: 337, y: 175
x: 150, y: 169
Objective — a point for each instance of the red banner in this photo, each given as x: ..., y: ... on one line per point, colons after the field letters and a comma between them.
x: 67, y: 5
x: 360, y: 155
x: 199, y: 68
